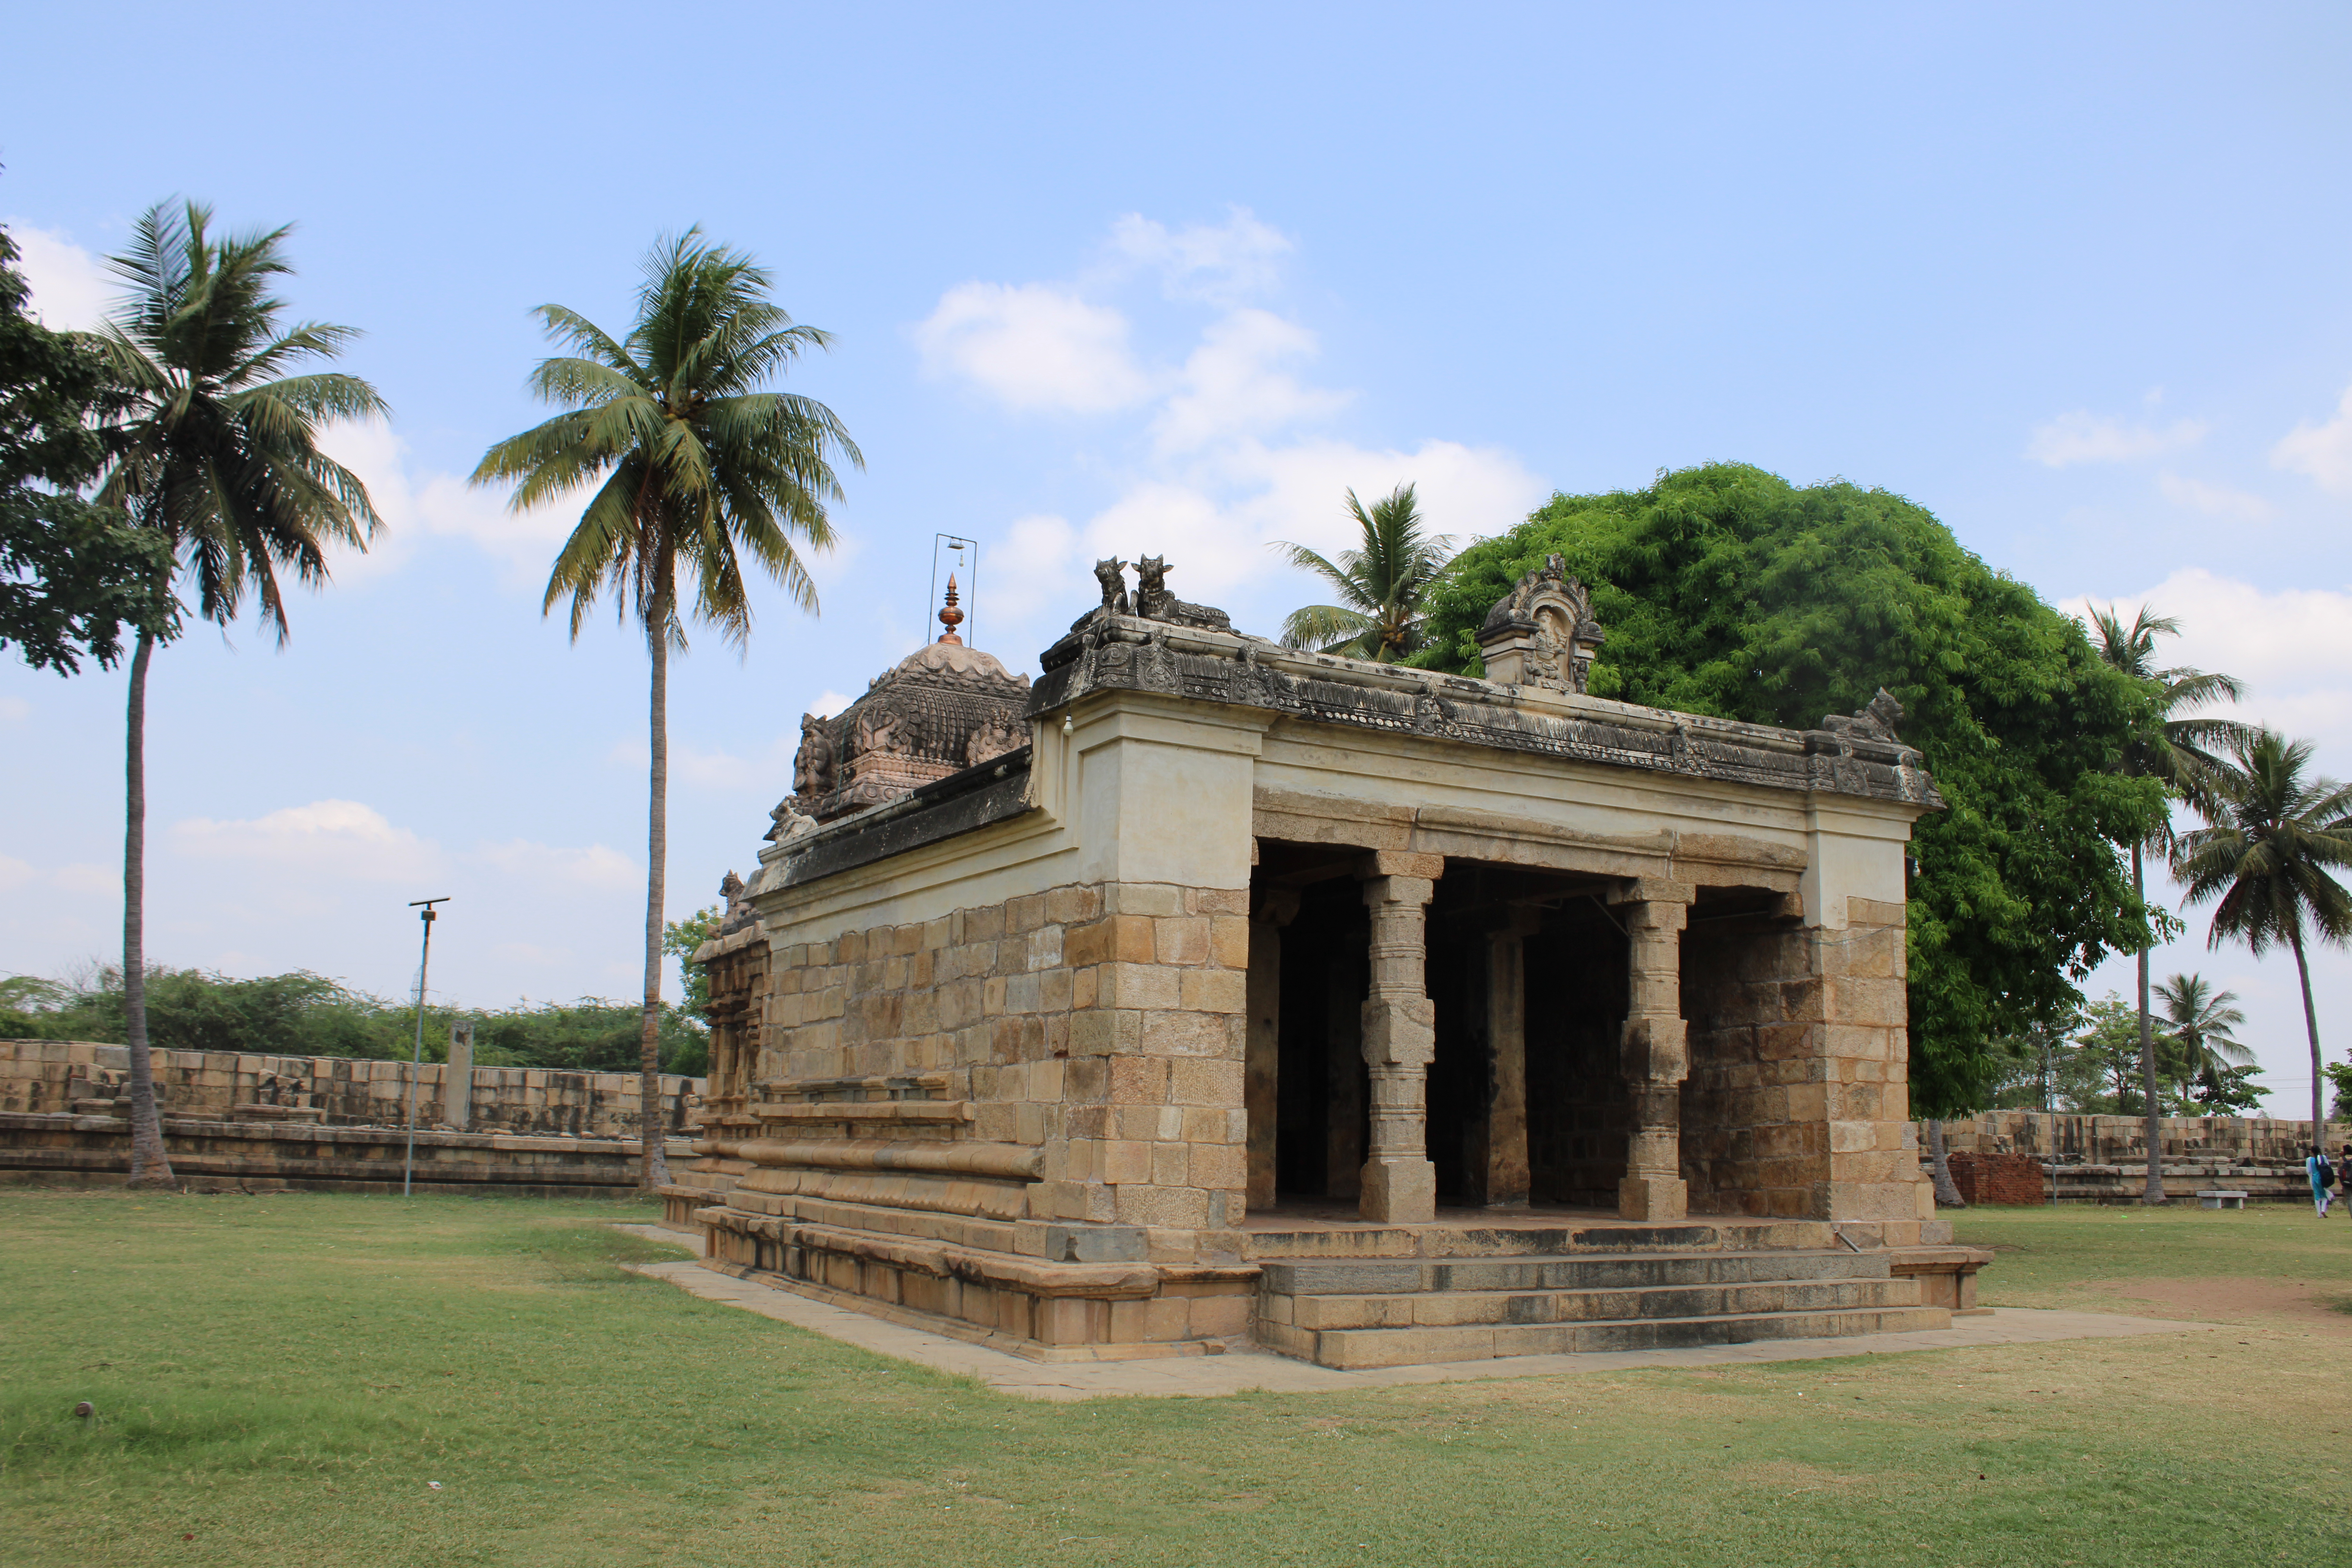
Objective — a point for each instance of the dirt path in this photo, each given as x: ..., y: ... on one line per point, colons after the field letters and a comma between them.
x: 2274, y: 1302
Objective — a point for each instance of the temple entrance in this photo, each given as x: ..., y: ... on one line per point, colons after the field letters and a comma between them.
x: 1527, y: 974
x: 1526, y: 1103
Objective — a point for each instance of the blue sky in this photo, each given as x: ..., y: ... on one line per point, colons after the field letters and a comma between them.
x: 2074, y: 278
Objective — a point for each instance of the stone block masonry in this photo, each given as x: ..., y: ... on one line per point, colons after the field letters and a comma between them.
x: 62, y: 1076
x: 1024, y: 1119
x: 1799, y: 1092
x: 1090, y: 1039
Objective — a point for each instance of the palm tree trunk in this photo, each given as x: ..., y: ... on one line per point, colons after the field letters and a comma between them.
x: 2311, y: 1026
x: 651, y: 1128
x: 150, y: 1165
x: 1939, y: 1166
x: 2154, y: 1190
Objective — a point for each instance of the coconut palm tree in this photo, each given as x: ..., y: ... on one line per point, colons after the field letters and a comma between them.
x: 2265, y: 862
x: 691, y: 466
x: 2178, y: 754
x: 2197, y: 1020
x: 218, y: 452
x: 1380, y: 586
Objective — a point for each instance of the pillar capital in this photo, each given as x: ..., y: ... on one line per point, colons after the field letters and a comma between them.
x: 1653, y: 890
x: 1399, y: 863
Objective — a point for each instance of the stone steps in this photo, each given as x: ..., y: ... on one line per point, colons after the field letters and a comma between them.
x: 1347, y: 1348
x: 1473, y: 1240
x: 1379, y: 1312
x: 1545, y: 1271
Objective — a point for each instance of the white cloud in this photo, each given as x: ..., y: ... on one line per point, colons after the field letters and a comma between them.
x: 2292, y: 646
x: 71, y: 288
x: 2321, y: 452
x: 2213, y: 500
x: 417, y: 505
x: 1224, y: 472
x: 1221, y: 263
x: 14, y: 710
x: 15, y: 873
x: 539, y: 864
x: 326, y: 839
x: 1034, y: 346
x: 2084, y: 438
x: 1230, y: 386
x: 828, y: 703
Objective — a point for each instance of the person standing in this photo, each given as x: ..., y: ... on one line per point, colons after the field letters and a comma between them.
x: 2322, y: 1177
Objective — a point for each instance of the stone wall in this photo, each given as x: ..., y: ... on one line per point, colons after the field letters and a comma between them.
x: 1991, y: 1178
x: 1081, y: 1049
x: 59, y: 1149
x: 1798, y: 1085
x: 39, y: 1077
x: 2122, y: 1140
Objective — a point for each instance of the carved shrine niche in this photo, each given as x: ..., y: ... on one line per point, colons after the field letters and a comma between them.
x: 1542, y: 633
x: 943, y: 709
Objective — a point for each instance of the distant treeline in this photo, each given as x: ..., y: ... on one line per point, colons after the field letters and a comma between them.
x: 307, y: 1015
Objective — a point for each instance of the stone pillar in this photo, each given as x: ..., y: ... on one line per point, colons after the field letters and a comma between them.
x: 1260, y: 1077
x: 458, y: 1078
x: 1400, y: 1025
x: 1502, y: 1179
x: 1654, y: 1052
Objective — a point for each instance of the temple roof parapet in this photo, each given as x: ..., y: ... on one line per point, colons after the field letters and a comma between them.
x: 1185, y: 652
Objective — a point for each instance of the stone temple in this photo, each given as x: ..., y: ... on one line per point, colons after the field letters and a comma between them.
x: 1205, y: 993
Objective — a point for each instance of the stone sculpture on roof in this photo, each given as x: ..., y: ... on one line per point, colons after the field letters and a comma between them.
x: 1542, y: 633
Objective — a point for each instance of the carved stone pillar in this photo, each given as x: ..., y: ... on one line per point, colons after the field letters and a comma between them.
x: 1653, y: 1052
x: 1262, y: 1064
x: 1499, y: 1174
x: 1400, y: 1025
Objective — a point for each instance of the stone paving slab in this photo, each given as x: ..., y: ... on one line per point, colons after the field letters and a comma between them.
x: 1241, y: 1372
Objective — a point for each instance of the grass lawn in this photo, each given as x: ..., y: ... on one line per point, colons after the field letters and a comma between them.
x: 277, y: 1379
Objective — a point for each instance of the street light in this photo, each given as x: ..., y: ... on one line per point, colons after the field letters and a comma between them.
x: 423, y: 908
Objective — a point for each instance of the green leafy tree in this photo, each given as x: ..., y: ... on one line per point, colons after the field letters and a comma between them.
x: 1726, y: 591
x: 215, y: 453
x: 2105, y: 1076
x: 2228, y: 1091
x: 2197, y: 1021
x: 691, y: 467
x: 679, y: 940
x: 2034, y: 1062
x: 2176, y: 750
x: 1382, y: 583
x: 75, y: 578
x: 2274, y: 834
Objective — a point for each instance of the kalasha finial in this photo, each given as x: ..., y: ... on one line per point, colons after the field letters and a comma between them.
x: 950, y: 617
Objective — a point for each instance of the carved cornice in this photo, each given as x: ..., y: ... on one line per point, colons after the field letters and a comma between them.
x: 1109, y: 652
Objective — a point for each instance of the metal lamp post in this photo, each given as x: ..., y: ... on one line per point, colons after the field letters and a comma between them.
x: 424, y: 906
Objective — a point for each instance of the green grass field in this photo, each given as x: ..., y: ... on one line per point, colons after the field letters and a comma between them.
x: 277, y: 1379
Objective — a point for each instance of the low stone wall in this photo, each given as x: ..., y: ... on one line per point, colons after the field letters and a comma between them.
x: 2123, y: 1140
x: 2104, y: 1159
x: 61, y: 1148
x: 51, y: 1077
